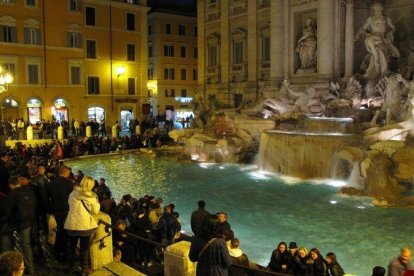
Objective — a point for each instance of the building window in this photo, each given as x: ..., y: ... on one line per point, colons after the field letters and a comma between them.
x: 150, y: 73
x: 31, y: 3
x: 183, y: 74
x: 74, y: 5
x: 33, y: 73
x: 212, y: 56
x: 168, y: 50
x: 169, y: 93
x: 168, y: 28
x: 93, y: 85
x: 130, y: 24
x: 195, y: 52
x: 74, y: 40
x: 183, y: 93
x: 8, y: 34
x: 195, y: 31
x: 149, y: 29
x: 9, y: 67
x: 149, y: 51
x: 169, y: 73
x: 181, y: 29
x: 90, y: 16
x: 75, y: 75
x: 266, y: 49
x: 131, y: 52
x: 90, y: 49
x: 183, y: 51
x: 131, y: 86
x: 195, y: 74
x: 238, y: 54
x: 31, y: 36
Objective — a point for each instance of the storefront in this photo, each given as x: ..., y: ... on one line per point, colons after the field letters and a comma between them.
x: 34, y: 111
x: 60, y: 110
x: 127, y: 116
x: 96, y: 114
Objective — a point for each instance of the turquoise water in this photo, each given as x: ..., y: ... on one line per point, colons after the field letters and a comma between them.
x: 264, y: 210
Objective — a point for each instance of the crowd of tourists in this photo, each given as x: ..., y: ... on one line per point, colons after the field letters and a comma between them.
x: 35, y: 186
x: 16, y: 129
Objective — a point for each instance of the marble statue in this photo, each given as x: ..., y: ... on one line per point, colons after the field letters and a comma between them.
x: 379, y: 36
x: 306, y: 48
x: 395, y: 89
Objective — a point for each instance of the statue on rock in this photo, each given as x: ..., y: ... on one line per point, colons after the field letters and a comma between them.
x: 379, y: 36
x: 307, y: 45
x: 394, y: 90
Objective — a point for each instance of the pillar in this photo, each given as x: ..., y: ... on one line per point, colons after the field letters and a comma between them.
x: 88, y: 131
x: 326, y: 38
x: 176, y: 261
x: 277, y: 39
x: 29, y: 133
x: 349, y: 38
x: 252, y: 41
x: 225, y: 39
x: 60, y: 133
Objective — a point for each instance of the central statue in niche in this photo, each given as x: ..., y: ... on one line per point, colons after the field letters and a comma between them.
x: 307, y: 48
x: 379, y: 36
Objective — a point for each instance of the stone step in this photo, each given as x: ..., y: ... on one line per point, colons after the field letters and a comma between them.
x: 116, y: 268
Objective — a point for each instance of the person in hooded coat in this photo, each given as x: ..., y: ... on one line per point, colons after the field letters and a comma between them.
x: 209, y: 250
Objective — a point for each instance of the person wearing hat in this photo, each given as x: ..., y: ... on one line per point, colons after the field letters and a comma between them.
x: 293, y: 252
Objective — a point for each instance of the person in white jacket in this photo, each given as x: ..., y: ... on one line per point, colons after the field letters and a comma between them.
x: 80, y: 223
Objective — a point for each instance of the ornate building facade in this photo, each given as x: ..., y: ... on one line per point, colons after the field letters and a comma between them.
x: 248, y: 47
x: 74, y: 59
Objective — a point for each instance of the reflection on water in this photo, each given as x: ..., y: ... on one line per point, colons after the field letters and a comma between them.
x: 264, y: 209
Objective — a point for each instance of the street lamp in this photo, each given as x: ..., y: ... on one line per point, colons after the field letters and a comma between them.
x: 5, y: 79
x: 120, y: 71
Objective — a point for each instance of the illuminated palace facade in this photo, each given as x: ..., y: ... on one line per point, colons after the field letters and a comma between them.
x: 248, y: 47
x: 74, y: 59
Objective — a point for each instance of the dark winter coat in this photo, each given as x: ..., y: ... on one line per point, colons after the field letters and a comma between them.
x: 242, y: 260
x: 277, y: 260
x: 168, y: 226
x: 319, y: 267
x: 20, y: 209
x: 197, y: 218
x: 58, y: 192
x: 335, y: 270
x: 301, y: 268
x: 215, y: 260
x: 4, y: 178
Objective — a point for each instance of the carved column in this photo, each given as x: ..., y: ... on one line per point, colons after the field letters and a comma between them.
x: 252, y: 41
x: 326, y: 38
x: 349, y: 38
x: 225, y: 44
x: 201, y: 39
x: 277, y: 39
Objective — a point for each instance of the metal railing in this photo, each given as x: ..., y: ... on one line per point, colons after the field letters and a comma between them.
x: 251, y: 271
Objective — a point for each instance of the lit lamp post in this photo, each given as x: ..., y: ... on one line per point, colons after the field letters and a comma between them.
x: 5, y: 79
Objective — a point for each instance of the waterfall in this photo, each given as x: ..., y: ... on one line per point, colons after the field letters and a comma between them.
x: 302, y: 154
